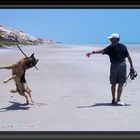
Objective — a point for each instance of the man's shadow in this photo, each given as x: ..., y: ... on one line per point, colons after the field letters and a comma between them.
x: 15, y: 106
x: 102, y: 104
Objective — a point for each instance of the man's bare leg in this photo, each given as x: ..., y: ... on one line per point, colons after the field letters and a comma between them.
x: 113, y: 90
x: 119, y: 91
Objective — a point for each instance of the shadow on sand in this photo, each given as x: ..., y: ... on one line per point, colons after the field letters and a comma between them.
x: 15, y: 106
x: 103, y: 104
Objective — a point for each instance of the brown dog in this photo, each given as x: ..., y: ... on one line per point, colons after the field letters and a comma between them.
x: 18, y: 75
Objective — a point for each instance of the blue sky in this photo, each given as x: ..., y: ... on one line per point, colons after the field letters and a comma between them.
x: 75, y: 26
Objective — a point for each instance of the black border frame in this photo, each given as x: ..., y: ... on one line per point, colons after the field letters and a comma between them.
x: 72, y: 135
x: 69, y: 4
x: 64, y: 135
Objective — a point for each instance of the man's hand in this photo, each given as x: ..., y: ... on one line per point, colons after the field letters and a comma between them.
x: 88, y: 54
x: 132, y: 69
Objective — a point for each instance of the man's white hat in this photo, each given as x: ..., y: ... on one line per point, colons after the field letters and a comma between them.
x: 114, y: 35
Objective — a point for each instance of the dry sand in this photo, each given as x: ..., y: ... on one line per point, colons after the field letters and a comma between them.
x: 71, y: 93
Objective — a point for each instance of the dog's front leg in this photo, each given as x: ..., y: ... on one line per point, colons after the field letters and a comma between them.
x: 7, y: 80
x: 6, y: 67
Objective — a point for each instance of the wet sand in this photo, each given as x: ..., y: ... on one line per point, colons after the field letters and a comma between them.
x: 71, y: 92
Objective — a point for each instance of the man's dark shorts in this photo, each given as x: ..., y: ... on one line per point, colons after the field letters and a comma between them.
x: 118, y: 73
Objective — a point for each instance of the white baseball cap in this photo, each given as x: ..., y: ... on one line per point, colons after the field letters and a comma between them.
x: 114, y: 35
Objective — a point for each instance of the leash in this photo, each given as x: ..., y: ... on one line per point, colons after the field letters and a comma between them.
x: 23, y: 52
x: 131, y: 76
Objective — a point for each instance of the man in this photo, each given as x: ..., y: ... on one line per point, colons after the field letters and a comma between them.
x: 117, y: 53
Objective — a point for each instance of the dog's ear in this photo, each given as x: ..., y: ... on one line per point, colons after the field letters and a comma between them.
x: 32, y: 55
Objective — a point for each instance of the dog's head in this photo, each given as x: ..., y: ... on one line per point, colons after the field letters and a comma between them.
x: 32, y: 61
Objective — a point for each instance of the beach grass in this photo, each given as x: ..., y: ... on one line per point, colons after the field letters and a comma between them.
x: 6, y: 43
x: 11, y: 43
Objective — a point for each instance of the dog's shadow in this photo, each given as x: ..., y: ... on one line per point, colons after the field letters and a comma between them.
x: 102, y: 104
x: 15, y: 106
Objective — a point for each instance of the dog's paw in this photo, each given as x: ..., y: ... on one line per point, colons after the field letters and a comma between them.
x: 5, y: 81
x: 32, y: 101
x: 27, y: 102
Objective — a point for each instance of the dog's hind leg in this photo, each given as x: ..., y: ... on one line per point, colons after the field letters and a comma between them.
x: 7, y: 80
x: 28, y: 91
x: 21, y: 91
x: 26, y: 96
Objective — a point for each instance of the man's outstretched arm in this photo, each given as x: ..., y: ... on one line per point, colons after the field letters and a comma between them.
x: 93, y: 52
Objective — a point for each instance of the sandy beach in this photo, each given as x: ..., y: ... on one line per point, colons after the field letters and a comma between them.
x: 71, y: 92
